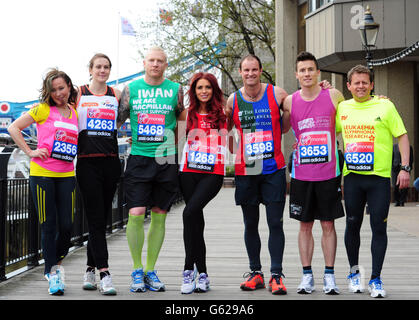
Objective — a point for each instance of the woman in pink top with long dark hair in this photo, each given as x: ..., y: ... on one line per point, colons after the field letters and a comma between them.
x: 52, y: 178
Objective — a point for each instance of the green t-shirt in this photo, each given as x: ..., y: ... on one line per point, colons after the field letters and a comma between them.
x: 153, y: 118
x: 367, y: 130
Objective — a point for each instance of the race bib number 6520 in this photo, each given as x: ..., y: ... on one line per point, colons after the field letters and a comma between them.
x: 359, y: 156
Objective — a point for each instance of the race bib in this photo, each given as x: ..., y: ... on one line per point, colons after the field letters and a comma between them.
x: 259, y: 145
x: 200, y: 157
x: 359, y: 156
x: 314, y: 147
x: 64, y: 146
x: 150, y: 127
x: 100, y: 122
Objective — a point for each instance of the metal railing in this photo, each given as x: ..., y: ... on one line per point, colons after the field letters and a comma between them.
x: 20, y: 236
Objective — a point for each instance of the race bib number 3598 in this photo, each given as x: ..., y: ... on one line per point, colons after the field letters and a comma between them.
x: 359, y: 156
x: 259, y: 145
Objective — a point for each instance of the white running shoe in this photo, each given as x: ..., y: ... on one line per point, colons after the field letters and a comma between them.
x: 106, y: 287
x: 307, y: 284
x: 188, y: 285
x: 137, y: 281
x: 329, y: 284
x: 203, y: 283
x: 375, y: 287
x: 89, y: 281
x: 355, y: 283
x: 152, y: 282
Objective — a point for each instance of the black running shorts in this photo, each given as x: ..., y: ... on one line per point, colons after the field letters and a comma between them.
x: 150, y: 182
x: 262, y: 188
x: 316, y: 200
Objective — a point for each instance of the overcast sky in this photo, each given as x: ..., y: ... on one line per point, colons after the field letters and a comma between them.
x: 36, y: 35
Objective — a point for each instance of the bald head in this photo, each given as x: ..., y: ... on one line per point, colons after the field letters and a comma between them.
x: 155, y: 64
x: 154, y: 50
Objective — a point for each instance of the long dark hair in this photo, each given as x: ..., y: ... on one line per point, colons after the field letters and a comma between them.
x: 214, y: 106
x: 45, y: 96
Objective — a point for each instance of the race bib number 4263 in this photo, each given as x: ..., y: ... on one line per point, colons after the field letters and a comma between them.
x: 359, y: 156
x: 100, y: 122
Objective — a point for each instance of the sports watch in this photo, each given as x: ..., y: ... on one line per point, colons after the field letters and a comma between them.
x: 405, y: 168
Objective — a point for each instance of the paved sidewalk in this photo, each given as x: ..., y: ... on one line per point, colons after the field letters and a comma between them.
x: 227, y: 260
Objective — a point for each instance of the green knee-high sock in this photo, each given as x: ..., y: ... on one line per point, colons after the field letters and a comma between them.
x: 135, y: 237
x: 155, y: 239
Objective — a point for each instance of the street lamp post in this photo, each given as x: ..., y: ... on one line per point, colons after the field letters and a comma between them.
x: 369, y: 31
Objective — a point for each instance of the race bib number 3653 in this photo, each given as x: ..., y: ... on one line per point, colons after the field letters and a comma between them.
x: 359, y: 156
x: 150, y: 127
x: 314, y: 148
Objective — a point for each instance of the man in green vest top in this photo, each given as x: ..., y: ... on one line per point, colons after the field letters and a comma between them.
x: 153, y: 104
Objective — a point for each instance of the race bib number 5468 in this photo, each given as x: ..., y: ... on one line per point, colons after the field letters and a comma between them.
x: 150, y: 127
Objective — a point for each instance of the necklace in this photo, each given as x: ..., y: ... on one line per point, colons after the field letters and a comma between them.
x: 64, y: 111
x: 253, y: 98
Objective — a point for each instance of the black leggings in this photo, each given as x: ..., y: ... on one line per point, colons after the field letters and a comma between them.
x: 276, y: 241
x: 54, y: 203
x: 97, y: 178
x: 198, y: 189
x: 375, y: 191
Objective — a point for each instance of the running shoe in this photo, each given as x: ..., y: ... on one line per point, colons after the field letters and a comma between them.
x: 355, y: 283
x: 307, y: 284
x: 254, y: 281
x: 137, y: 284
x: 106, y: 287
x: 152, y: 282
x: 56, y: 286
x: 276, y: 286
x: 329, y: 284
x: 375, y: 287
x: 203, y: 283
x: 188, y: 285
x: 89, y: 281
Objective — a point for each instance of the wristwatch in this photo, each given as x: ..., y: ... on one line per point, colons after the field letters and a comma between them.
x: 405, y: 168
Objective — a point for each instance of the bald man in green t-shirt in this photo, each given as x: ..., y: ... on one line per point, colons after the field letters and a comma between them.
x: 153, y: 105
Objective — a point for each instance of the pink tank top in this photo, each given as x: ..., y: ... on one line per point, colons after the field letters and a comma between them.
x: 313, y: 122
x: 59, y: 135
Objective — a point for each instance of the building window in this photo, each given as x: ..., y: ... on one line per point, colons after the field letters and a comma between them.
x: 316, y: 4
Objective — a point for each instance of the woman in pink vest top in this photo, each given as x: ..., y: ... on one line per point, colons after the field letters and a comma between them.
x: 52, y: 179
